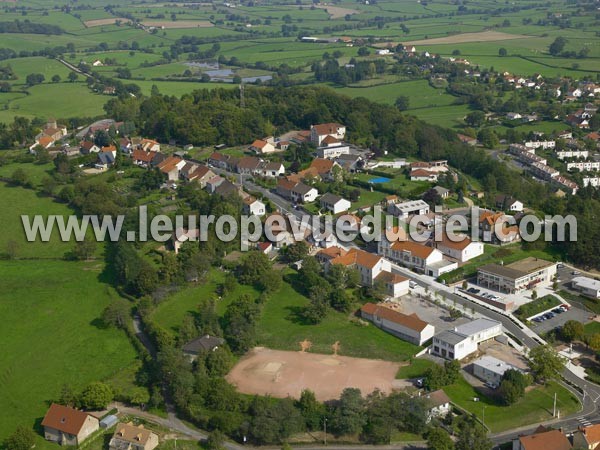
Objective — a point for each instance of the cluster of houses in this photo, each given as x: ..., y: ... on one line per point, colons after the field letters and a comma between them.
x: 540, y: 168
x: 50, y: 135
x: 428, y: 171
x: 72, y: 427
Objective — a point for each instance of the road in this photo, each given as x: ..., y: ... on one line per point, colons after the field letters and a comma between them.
x: 73, y: 68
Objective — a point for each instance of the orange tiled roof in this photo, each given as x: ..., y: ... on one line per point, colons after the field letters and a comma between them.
x: 414, y: 248
x: 409, y: 321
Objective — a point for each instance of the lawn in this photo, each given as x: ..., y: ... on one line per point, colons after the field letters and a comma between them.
x: 535, y: 406
x: 415, y: 369
x: 28, y: 202
x: 51, y: 336
x: 589, y: 303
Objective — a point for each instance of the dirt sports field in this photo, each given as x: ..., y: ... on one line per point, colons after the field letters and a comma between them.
x: 178, y: 23
x: 484, y: 36
x: 281, y: 374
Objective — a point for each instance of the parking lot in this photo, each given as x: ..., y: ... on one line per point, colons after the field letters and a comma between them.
x: 558, y: 320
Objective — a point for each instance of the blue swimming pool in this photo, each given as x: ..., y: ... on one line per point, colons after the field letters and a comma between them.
x: 379, y: 180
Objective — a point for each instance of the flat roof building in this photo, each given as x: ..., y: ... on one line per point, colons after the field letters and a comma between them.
x: 518, y: 276
x: 587, y: 286
x: 464, y: 339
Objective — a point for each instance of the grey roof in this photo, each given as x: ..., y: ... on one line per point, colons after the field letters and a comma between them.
x: 106, y: 158
x: 588, y: 283
x: 441, y: 190
x: 109, y: 421
x: 203, y: 343
x: 226, y: 188
x: 503, y: 271
x: 451, y: 337
x: 302, y: 188
x: 494, y: 365
x: 331, y: 198
x: 476, y: 326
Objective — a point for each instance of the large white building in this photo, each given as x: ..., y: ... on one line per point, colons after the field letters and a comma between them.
x: 460, y: 248
x: 417, y: 256
x: 407, y: 327
x: 464, y: 339
x: 518, y: 276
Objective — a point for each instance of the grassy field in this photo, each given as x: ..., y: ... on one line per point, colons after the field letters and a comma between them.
x: 537, y: 306
x: 27, y: 202
x: 51, y: 336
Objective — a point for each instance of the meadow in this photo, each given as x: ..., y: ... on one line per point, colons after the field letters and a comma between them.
x: 51, y: 336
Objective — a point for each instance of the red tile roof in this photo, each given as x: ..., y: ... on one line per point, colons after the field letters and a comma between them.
x: 546, y: 440
x: 413, y: 248
x: 326, y: 128
x: 411, y: 321
x: 65, y: 419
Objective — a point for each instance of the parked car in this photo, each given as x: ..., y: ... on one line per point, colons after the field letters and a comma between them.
x: 557, y: 311
x: 575, y: 272
x: 565, y: 306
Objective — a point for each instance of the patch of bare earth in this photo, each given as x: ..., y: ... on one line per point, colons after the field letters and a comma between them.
x: 337, y: 12
x: 282, y: 373
x: 100, y: 22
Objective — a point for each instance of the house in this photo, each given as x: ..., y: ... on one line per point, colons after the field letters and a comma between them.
x: 325, y: 169
x: 252, y: 206
x: 423, y: 175
x: 248, y: 165
x: 182, y: 235
x: 441, y: 191
x: 491, y: 370
x: 202, y: 344
x: 464, y: 339
x: 227, y: 189
x: 418, y: 256
x: 587, y: 286
x: 409, y: 328
x: 438, y: 404
x: 517, y: 276
x: 303, y: 193
x: 171, y: 167
x: 587, y: 437
x: 370, y: 267
x: 105, y: 160
x: 540, y: 144
x: 543, y: 439
x: 508, y: 203
x: 127, y: 436
x: 383, y: 52
x: 262, y: 147
x: 350, y: 163
x: 409, y: 208
x: 201, y: 175
x: 68, y: 426
x: 218, y: 160
x: 513, y: 116
x: 460, y: 248
x: 328, y: 254
x: 53, y: 130
x: 272, y: 169
x: 332, y: 147
x: 87, y: 147
x: 264, y: 247
x: 321, y: 131
x: 584, y: 166
x: 284, y: 188
x: 148, y: 145
x: 334, y: 203
x: 213, y: 183
x: 494, y: 228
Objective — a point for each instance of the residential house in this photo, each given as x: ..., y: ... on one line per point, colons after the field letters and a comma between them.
x: 264, y: 247
x: 68, y: 426
x: 442, y: 192
x: 423, y: 175
x: 543, y: 439
x: 219, y: 160
x: 569, y: 153
x: 263, y: 146
x: 149, y: 145
x: 182, y: 235
x: 128, y: 436
x: 202, y: 344
x: 409, y: 328
x: 248, y: 165
x: 491, y: 370
x: 201, y: 175
x: 391, y: 235
x: 284, y: 188
x: 508, y: 203
x: 226, y: 189
x: 272, y: 169
x: 213, y: 183
x: 464, y: 339
x: 87, y: 147
x: 584, y: 166
x: 303, y: 193
x: 350, y: 163
x: 105, y: 160
x: 494, y: 228
x: 321, y: 131
x: 334, y: 203
x: 171, y: 167
x: 587, y: 438
x: 438, y: 404
x: 513, y: 116
x: 328, y: 254
x: 325, y: 169
x: 420, y: 257
x: 459, y: 248
x: 252, y: 206
x: 332, y: 147
x: 540, y: 144
x: 467, y: 139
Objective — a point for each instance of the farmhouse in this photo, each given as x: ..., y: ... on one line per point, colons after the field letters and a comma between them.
x: 130, y: 437
x: 202, y: 344
x: 587, y: 286
x: 491, y: 370
x: 407, y: 327
x: 464, y: 339
x: 518, y: 276
x: 543, y: 439
x: 68, y: 426
x: 334, y: 203
x: 460, y: 248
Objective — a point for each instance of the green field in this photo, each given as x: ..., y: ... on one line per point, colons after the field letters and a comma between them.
x: 51, y: 336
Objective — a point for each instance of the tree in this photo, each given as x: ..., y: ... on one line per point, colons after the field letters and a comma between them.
x: 311, y: 409
x: 117, y: 313
x: 513, y: 385
x: 296, y: 251
x: 402, y: 103
x: 84, y: 249
x: 73, y: 77
x: 34, y: 78
x: 594, y: 341
x: 557, y: 46
x: 240, y: 323
x: 488, y: 138
x: 472, y: 436
x: 23, y: 438
x: 439, y: 439
x: 139, y: 396
x: 364, y: 51
x: 215, y: 440
x: 19, y: 177
x: 545, y: 363
x: 253, y: 267
x: 475, y: 118
x: 502, y: 51
x: 218, y: 362
x: 572, y: 330
x: 68, y: 397
x: 96, y: 395
x: 56, y: 78
x: 348, y: 415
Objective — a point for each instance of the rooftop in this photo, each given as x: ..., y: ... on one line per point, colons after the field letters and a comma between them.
x: 588, y: 283
x: 494, y: 364
x: 64, y: 418
x: 203, y: 343
x: 409, y: 321
x: 476, y: 326
x: 451, y: 337
x: 545, y: 440
x: 131, y: 433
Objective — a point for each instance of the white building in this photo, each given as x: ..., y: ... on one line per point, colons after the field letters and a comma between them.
x: 517, y: 276
x: 460, y: 248
x: 334, y: 203
x: 303, y: 193
x: 562, y: 154
x: 584, y: 165
x: 543, y: 144
x: 464, y: 339
x: 405, y: 209
x: 587, y: 286
x: 252, y: 206
x: 438, y: 403
x: 491, y: 370
x: 407, y: 327
x: 591, y: 181
x: 420, y: 257
x: 319, y: 132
